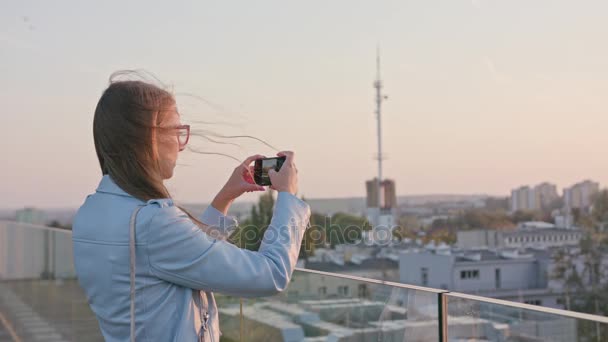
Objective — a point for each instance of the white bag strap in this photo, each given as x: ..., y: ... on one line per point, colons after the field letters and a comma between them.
x: 132, y: 269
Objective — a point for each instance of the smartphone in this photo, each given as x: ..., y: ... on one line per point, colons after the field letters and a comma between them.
x: 262, y: 166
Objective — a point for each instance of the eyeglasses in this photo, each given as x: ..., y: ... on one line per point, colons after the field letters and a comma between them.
x: 183, y: 135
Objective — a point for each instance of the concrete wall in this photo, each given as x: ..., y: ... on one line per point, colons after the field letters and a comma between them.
x: 444, y: 272
x: 478, y: 238
x: 32, y: 252
x: 439, y: 269
x: 514, y: 274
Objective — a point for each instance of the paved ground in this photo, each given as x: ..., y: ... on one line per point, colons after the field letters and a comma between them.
x: 46, y: 310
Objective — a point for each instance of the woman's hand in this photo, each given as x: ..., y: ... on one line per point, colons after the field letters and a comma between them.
x: 240, y: 181
x: 287, y: 177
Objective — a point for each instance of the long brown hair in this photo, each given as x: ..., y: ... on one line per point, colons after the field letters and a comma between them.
x: 126, y: 116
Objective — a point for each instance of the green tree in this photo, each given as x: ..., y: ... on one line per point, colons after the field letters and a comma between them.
x: 251, y: 231
x: 407, y: 226
x: 599, y: 213
x: 345, y: 228
x: 314, y: 235
x: 526, y: 215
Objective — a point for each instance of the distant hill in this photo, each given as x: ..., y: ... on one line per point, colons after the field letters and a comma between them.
x: 357, y: 205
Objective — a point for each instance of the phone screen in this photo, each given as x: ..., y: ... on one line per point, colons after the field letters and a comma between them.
x: 262, y: 166
x: 267, y: 165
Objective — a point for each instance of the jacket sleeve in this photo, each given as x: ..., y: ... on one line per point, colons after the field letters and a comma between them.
x: 221, y: 226
x: 181, y: 253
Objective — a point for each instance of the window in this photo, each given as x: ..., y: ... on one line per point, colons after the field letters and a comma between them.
x: 469, y: 274
x: 343, y: 290
x: 497, y: 277
x: 534, y: 301
x: 322, y: 291
x: 362, y: 290
x: 424, y: 276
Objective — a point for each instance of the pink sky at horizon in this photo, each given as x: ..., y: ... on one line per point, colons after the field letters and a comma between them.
x: 484, y: 96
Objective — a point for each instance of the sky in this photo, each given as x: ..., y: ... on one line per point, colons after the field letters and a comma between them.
x: 483, y: 95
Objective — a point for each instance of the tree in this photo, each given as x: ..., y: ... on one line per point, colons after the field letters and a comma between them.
x: 57, y: 224
x: 407, y: 227
x: 497, y: 203
x: 251, y: 231
x: 527, y: 215
x: 586, y: 292
x: 565, y: 270
x: 314, y: 235
x: 599, y: 213
x: 346, y: 228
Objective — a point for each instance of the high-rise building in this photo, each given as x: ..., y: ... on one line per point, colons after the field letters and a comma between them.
x: 383, y: 213
x: 580, y: 195
x: 537, y: 198
x: 387, y: 197
x: 545, y: 194
x: 522, y: 198
x: 371, y: 187
x: 390, y: 194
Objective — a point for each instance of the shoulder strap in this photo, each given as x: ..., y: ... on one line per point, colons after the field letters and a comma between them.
x: 132, y: 268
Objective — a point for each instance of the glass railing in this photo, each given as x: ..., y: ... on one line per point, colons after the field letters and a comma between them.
x: 40, y: 300
x: 320, y: 306
x: 487, y: 319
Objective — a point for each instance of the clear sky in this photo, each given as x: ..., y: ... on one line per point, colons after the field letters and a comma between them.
x: 484, y: 95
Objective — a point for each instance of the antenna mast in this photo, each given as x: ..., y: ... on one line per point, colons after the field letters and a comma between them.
x: 379, y: 98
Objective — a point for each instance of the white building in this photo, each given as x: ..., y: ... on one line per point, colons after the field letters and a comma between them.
x: 537, y: 198
x: 580, y: 195
x: 506, y: 274
x: 528, y: 234
x: 544, y: 194
x: 522, y: 198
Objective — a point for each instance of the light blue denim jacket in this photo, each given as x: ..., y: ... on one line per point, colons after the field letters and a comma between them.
x: 178, y: 266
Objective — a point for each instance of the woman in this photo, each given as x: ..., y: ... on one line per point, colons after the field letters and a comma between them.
x: 177, y: 261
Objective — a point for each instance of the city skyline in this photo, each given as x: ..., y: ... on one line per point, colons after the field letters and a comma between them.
x: 482, y: 98
x: 419, y: 198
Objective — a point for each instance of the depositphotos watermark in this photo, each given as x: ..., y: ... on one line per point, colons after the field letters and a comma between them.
x: 316, y: 235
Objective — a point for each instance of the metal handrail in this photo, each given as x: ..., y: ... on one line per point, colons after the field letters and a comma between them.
x: 531, y: 307
x: 541, y: 309
x: 37, y: 226
x: 374, y: 281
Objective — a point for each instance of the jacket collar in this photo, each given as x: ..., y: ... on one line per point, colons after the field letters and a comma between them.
x: 107, y: 185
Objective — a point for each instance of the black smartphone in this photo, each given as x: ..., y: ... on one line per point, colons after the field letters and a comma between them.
x: 262, y: 166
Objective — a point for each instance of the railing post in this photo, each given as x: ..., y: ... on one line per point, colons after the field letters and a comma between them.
x: 241, y: 320
x: 442, y: 315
